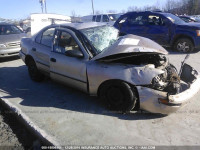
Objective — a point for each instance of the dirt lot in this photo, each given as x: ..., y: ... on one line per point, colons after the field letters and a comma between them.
x: 7, y: 137
x: 73, y: 118
x: 13, y: 133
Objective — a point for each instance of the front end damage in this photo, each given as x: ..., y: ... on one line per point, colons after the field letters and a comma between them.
x: 143, y: 64
x: 167, y: 91
x: 170, y: 90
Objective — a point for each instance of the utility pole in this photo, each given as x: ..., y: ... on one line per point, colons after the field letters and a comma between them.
x: 43, y: 5
x: 41, y: 2
x: 92, y: 7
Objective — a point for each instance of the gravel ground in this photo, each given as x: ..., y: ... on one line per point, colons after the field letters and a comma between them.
x: 14, y: 135
x: 7, y: 137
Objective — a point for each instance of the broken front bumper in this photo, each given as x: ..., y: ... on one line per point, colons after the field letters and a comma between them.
x: 151, y: 100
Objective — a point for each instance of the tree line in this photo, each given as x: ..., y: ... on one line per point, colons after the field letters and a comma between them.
x: 179, y: 7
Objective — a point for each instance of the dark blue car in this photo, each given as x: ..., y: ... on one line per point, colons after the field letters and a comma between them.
x: 163, y: 28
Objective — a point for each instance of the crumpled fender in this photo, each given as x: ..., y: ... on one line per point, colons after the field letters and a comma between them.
x: 99, y: 72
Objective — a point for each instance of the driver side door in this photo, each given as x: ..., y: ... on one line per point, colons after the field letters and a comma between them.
x: 70, y: 70
x: 158, y: 31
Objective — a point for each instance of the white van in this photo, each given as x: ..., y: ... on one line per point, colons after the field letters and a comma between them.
x: 106, y: 18
x: 39, y: 21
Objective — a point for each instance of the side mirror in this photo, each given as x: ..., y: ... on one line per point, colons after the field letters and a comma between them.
x: 74, y: 53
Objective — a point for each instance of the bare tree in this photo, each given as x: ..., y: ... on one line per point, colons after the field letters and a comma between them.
x: 111, y: 11
x: 97, y: 12
x: 123, y: 11
x: 73, y: 14
x: 133, y: 8
x: 75, y: 17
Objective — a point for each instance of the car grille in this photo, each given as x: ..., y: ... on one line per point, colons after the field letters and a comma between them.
x: 14, y: 44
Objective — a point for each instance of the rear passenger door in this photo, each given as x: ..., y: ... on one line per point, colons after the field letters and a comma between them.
x: 42, y: 47
x: 134, y: 24
x: 158, y: 31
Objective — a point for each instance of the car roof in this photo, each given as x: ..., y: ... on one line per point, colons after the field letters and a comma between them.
x: 79, y: 26
x: 5, y: 23
x: 148, y: 12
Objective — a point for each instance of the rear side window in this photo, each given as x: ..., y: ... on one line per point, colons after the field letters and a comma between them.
x: 98, y: 18
x: 93, y: 18
x: 155, y: 20
x: 137, y: 20
x: 47, y: 37
x: 105, y: 18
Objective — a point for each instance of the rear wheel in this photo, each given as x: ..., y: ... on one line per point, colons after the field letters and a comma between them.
x: 184, y: 45
x: 119, y: 96
x: 34, y: 73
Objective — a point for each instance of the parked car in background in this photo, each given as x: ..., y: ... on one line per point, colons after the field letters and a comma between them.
x: 10, y: 37
x: 189, y: 19
x: 104, y: 18
x: 39, y: 21
x: 128, y: 72
x: 163, y: 28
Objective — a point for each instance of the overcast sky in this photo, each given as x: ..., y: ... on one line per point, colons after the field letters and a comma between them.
x: 19, y: 9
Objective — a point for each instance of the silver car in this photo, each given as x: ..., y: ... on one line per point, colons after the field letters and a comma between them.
x: 127, y: 73
x: 10, y: 37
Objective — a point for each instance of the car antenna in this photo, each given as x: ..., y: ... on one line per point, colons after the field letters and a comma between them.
x: 182, y: 64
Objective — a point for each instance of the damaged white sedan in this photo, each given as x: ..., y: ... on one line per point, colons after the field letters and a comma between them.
x: 128, y: 72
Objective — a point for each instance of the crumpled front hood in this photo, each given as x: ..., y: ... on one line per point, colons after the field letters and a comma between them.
x: 132, y: 44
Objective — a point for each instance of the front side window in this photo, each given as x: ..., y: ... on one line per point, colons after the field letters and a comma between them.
x: 47, y: 37
x: 65, y: 42
x: 9, y: 29
x: 98, y: 18
x: 105, y: 18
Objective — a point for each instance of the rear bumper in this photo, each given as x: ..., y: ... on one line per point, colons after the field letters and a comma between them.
x: 9, y: 52
x: 149, y: 98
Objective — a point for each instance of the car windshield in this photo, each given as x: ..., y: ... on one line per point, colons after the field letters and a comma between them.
x: 188, y: 19
x: 101, y: 37
x: 113, y: 17
x: 174, y: 19
x: 9, y: 29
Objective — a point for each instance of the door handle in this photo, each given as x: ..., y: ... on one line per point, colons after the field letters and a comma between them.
x: 53, y: 59
x: 33, y: 49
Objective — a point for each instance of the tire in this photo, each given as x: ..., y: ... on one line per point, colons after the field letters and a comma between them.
x: 118, y: 96
x: 34, y: 73
x: 184, y: 45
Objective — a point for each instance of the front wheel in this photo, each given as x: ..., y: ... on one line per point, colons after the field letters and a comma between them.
x: 119, y: 96
x: 34, y: 72
x: 184, y: 45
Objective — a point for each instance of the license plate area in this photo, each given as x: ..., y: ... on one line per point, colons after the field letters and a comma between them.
x: 188, y: 74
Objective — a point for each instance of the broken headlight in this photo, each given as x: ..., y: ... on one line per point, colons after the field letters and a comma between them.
x: 168, y: 82
x: 158, y: 82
